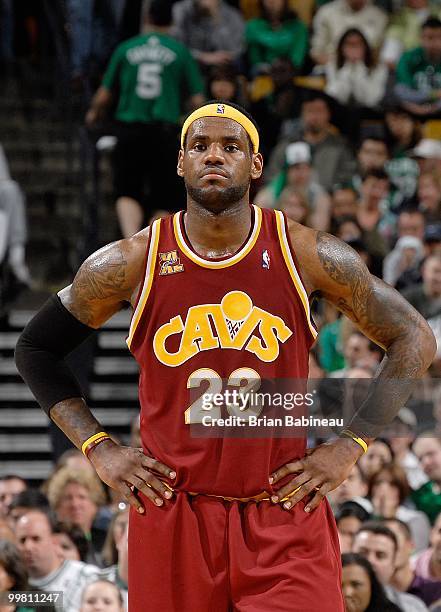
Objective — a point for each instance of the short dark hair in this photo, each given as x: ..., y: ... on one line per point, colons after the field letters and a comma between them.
x: 160, y: 13
x: 77, y: 537
x: 33, y: 499
x: 432, y: 23
x: 377, y: 173
x: 379, y: 528
x: 352, y: 509
x: 13, y: 477
x: 241, y: 109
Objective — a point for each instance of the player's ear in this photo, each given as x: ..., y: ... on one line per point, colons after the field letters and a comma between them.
x: 256, y: 166
x: 180, y: 168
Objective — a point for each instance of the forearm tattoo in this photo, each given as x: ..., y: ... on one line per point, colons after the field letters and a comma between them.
x: 385, y: 317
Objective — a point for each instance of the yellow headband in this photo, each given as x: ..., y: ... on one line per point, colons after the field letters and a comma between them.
x: 223, y: 110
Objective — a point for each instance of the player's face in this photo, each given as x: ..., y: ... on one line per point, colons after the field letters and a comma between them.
x: 356, y: 588
x: 217, y: 164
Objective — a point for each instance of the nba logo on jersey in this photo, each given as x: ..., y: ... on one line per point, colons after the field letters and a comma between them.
x: 170, y: 263
x: 266, y: 260
x: 220, y: 109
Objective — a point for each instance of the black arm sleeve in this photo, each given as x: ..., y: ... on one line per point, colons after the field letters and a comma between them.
x: 39, y: 355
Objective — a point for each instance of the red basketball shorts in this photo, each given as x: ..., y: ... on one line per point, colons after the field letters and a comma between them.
x: 203, y: 554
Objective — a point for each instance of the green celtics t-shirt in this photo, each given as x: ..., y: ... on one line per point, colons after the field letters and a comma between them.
x: 426, y: 500
x: 152, y: 71
x: 416, y: 72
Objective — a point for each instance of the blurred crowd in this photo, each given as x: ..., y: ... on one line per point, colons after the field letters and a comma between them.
x: 347, y: 96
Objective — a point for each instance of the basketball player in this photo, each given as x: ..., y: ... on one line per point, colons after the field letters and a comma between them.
x: 220, y: 292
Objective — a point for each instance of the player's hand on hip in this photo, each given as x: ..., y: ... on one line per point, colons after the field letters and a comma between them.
x: 321, y: 470
x: 124, y: 468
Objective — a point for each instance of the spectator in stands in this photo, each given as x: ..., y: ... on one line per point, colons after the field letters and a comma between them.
x: 46, y: 570
x: 277, y: 33
x: 404, y: 578
x: 427, y: 448
x: 426, y: 296
x: 10, y: 485
x: 13, y: 574
x: 294, y: 205
x: 427, y: 565
x: 71, y: 542
x: 362, y: 590
x: 354, y: 78
x: 353, y: 488
x: 225, y: 84
x: 379, y: 454
x: 102, y: 595
x: 338, y: 16
x: 388, y: 492
x: 115, y: 532
x: 428, y: 155
x: 29, y: 499
x: 372, y: 154
x: 13, y: 233
x: 402, y: 134
x: 404, y: 30
x: 378, y: 226
x: 299, y: 175
x: 401, y: 267
x: 275, y: 109
x: 348, y: 229
x: 358, y: 350
x: 401, y: 436
x: 6, y: 531
x: 429, y: 196
x: 349, y: 518
x: 118, y: 573
x: 75, y: 460
x: 343, y: 203
x: 419, y: 72
x: 212, y: 30
x: 432, y: 238
x: 331, y: 158
x: 150, y: 72
x: 93, y: 33
x: 76, y: 496
x: 378, y: 544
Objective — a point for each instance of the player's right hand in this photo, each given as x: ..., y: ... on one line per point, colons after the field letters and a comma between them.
x: 124, y: 468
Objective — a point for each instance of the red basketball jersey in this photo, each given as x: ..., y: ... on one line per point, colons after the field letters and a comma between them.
x: 199, y: 323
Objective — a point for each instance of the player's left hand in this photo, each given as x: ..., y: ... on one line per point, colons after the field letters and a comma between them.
x: 321, y: 470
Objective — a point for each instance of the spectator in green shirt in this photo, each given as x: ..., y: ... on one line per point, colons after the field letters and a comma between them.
x: 151, y: 72
x: 427, y: 448
x: 278, y: 33
x: 418, y: 74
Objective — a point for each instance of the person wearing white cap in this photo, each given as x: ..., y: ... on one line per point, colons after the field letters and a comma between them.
x: 428, y: 155
x: 299, y: 175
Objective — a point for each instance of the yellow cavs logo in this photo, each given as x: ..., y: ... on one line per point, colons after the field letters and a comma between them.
x: 232, y: 324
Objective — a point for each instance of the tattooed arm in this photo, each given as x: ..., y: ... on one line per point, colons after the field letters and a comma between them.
x: 106, y: 281
x: 338, y: 275
x: 333, y: 270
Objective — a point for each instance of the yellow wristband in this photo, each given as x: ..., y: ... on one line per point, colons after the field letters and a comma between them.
x: 360, y: 441
x: 85, y: 444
